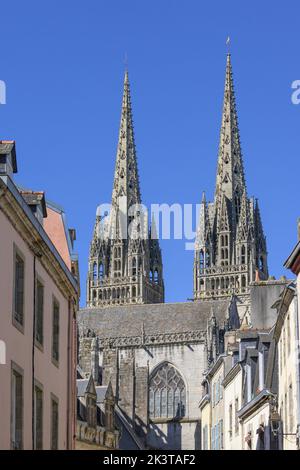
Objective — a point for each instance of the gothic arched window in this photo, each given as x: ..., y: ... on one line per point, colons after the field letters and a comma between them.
x: 94, y: 271
x: 167, y: 394
x: 243, y: 255
x: 207, y: 258
x: 237, y: 201
x: 101, y: 271
x: 134, y: 267
x: 261, y: 263
x: 201, y: 259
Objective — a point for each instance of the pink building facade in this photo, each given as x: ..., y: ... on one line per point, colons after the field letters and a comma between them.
x: 39, y: 290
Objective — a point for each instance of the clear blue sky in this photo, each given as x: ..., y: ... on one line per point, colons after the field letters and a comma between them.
x: 63, y: 64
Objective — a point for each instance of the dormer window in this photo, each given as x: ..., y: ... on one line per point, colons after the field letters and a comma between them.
x: 36, y: 201
x: 8, y: 161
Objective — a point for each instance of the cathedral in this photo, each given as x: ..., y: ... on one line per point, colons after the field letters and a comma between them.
x: 154, y: 354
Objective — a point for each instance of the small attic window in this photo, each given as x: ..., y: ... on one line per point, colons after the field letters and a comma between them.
x: 5, y: 164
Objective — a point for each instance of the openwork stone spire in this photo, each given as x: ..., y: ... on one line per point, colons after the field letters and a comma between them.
x: 230, y: 244
x: 126, y: 181
x: 125, y: 266
x: 230, y: 171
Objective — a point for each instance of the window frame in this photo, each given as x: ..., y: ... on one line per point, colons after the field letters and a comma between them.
x: 39, y: 280
x: 16, y: 370
x: 54, y: 399
x: 38, y: 386
x: 164, y: 390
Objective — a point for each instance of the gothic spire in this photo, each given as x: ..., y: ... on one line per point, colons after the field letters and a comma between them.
x: 230, y: 171
x: 243, y: 227
x: 124, y: 265
x: 203, y: 231
x: 126, y: 181
x: 227, y: 263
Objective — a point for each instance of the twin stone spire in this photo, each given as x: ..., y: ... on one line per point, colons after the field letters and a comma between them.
x: 125, y: 264
x: 230, y: 248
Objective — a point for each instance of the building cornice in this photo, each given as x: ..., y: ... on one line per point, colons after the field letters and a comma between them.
x: 189, y: 337
x: 211, y: 372
x: 31, y: 231
x: 282, y: 306
x: 204, y: 401
x: 264, y: 396
x: 293, y: 261
x: 232, y: 374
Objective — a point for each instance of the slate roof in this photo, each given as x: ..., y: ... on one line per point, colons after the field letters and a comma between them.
x: 81, y: 387
x: 129, y: 320
x: 101, y: 393
x: 34, y: 198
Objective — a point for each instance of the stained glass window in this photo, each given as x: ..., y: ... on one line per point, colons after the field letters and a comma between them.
x: 167, y: 393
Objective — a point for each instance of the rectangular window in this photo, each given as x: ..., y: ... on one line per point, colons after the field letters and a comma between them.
x: 38, y: 418
x: 39, y: 313
x: 291, y: 409
x: 284, y: 346
x: 236, y: 416
x: 230, y: 421
x: 286, y: 424
x: 261, y: 372
x: 288, y: 333
x: 19, y: 289
x: 16, y: 408
x: 280, y: 357
x: 55, y: 332
x: 221, y: 388
x: 217, y: 436
x: 54, y: 423
x: 221, y: 434
x: 213, y: 438
x: 249, y: 382
x: 205, y: 438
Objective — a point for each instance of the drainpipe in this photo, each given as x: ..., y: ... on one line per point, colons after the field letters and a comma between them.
x: 69, y: 359
x: 33, y: 349
x: 71, y: 398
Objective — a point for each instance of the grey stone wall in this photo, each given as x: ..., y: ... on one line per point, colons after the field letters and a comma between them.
x: 84, y: 355
x: 110, y: 369
x: 262, y: 296
x: 126, y: 384
x: 141, y: 400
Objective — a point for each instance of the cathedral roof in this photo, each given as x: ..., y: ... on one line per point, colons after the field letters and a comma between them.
x: 147, y: 319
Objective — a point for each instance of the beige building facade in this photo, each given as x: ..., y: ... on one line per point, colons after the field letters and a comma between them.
x: 39, y: 299
x: 287, y: 335
x: 233, y: 384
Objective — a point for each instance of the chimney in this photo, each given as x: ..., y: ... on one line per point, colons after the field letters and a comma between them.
x: 72, y: 234
x: 229, y: 338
